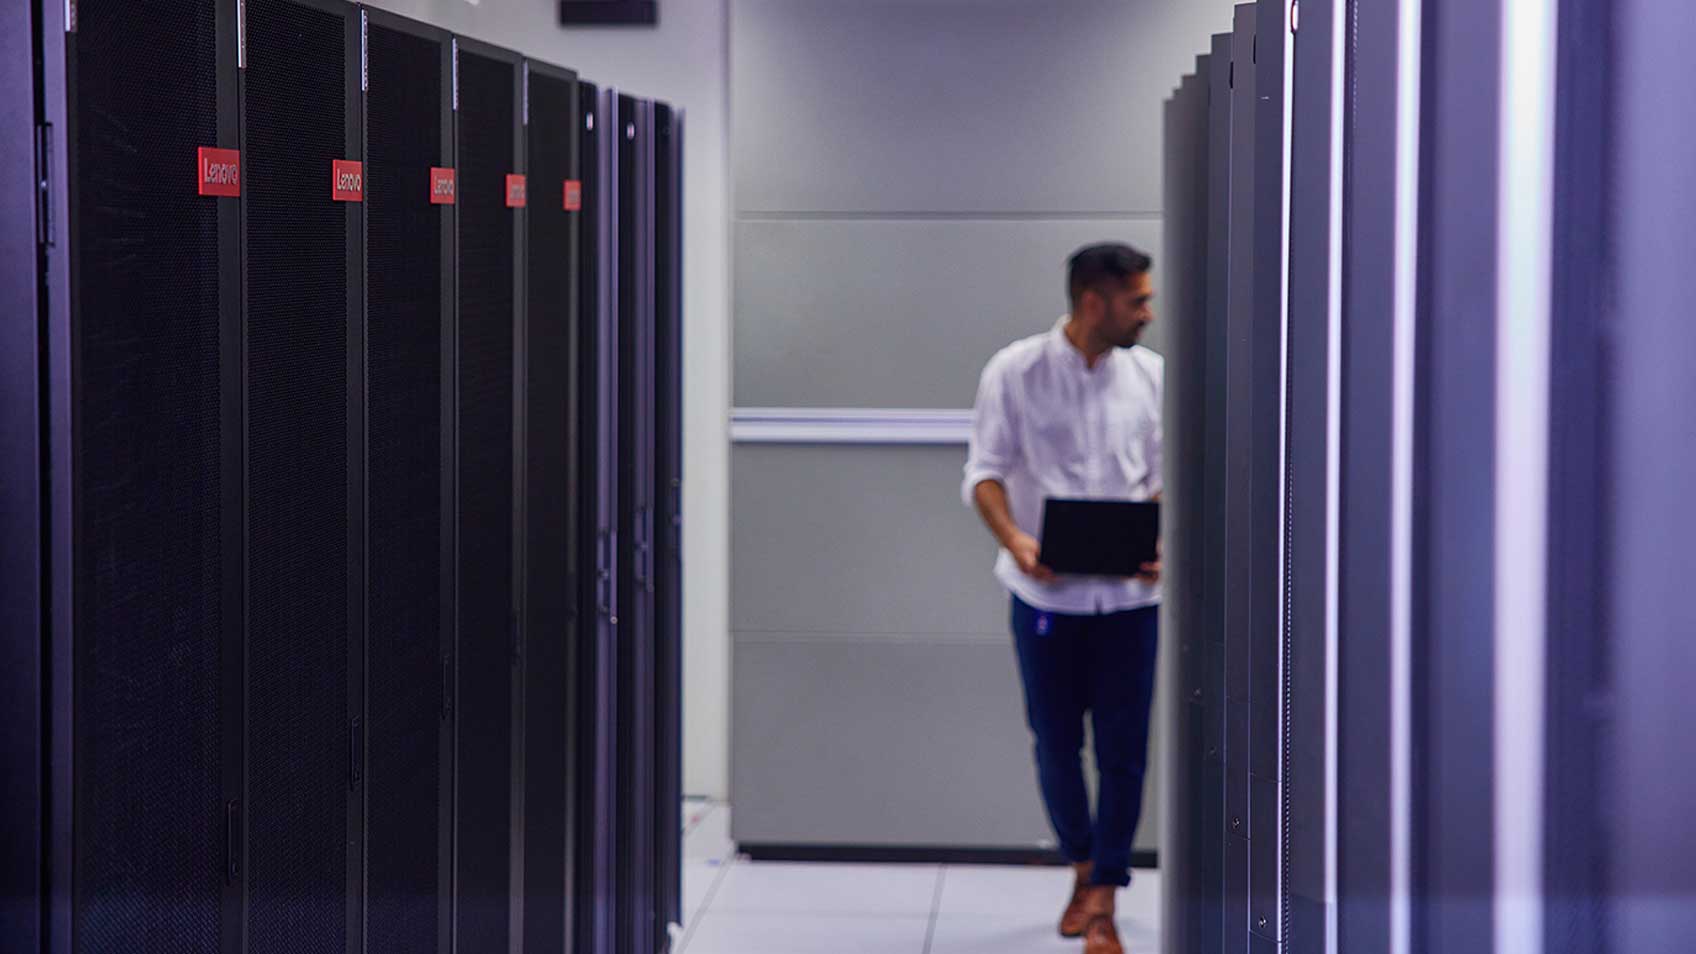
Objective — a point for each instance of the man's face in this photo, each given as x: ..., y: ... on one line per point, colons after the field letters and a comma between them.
x: 1128, y: 311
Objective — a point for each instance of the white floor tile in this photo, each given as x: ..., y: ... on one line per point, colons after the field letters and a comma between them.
x: 1008, y: 934
x: 698, y: 879
x: 968, y: 890
x: 773, y: 888
x: 708, y: 836
x: 724, y: 933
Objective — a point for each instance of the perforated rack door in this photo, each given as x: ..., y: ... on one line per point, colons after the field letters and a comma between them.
x: 551, y: 615
x: 596, y: 683
x: 408, y: 123
x: 488, y: 626
x: 151, y: 400
x: 668, y: 517
x: 303, y: 354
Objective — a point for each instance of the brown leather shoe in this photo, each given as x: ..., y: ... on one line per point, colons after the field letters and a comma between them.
x: 1102, y: 936
x: 1077, y: 916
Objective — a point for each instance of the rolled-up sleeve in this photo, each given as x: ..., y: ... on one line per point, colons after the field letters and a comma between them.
x: 994, y: 448
x: 1155, y: 451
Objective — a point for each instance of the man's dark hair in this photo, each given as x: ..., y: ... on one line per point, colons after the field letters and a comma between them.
x: 1104, y: 267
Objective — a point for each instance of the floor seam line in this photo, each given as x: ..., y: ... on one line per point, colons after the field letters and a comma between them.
x: 706, y: 903
x: 935, y: 907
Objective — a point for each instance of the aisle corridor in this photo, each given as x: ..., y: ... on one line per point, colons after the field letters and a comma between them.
x: 741, y: 907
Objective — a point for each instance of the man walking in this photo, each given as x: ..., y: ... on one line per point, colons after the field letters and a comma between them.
x: 1075, y: 413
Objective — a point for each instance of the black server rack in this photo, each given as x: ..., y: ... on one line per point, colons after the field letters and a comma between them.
x: 356, y: 539
x: 668, y: 540
x: 1185, y: 506
x: 488, y: 94
x: 22, y: 244
x: 410, y: 233
x: 304, y: 360
x: 550, y: 443
x: 595, y: 703
x: 1242, y: 583
x: 140, y: 518
x: 1212, y: 802
x: 635, y: 443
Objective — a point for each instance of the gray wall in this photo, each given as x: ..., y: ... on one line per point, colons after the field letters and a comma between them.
x: 909, y: 177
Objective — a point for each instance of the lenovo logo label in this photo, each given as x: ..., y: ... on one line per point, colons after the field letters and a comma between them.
x: 442, y: 186
x: 347, y: 180
x: 220, y: 171
x: 515, y: 198
x: 573, y: 195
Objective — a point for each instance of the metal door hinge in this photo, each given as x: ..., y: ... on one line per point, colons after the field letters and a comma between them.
x: 70, y: 16
x: 46, y: 231
x: 455, y: 44
x: 526, y: 92
x: 364, y: 52
x: 241, y: 34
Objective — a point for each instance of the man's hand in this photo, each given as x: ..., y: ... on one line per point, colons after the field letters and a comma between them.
x: 1151, y: 571
x: 1027, y: 553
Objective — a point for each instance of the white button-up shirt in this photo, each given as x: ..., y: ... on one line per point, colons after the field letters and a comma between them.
x: 1046, y: 425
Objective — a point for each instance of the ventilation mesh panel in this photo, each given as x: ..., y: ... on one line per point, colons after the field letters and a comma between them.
x: 150, y: 840
x: 297, y: 482
x: 549, y: 595
x: 486, y: 118
x: 404, y: 308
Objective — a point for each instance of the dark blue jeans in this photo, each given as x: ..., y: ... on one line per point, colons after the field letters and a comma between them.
x: 1103, y: 665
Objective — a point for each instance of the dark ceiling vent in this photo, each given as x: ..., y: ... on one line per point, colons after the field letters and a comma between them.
x: 608, y: 12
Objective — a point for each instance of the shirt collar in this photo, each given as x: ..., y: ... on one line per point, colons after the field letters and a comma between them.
x: 1070, y: 357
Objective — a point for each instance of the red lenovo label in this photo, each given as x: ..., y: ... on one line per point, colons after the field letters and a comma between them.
x: 219, y: 171
x: 515, y: 197
x: 573, y: 195
x: 442, y: 186
x: 347, y: 180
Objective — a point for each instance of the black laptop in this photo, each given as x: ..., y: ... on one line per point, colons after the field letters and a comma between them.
x: 1099, y: 537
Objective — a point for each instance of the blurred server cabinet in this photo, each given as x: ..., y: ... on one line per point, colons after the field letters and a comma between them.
x: 668, y: 496
x: 489, y: 783
x: 597, y: 787
x: 550, y: 500
x: 634, y: 128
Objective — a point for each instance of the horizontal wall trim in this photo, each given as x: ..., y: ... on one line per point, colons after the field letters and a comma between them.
x: 799, y: 425
x: 1017, y: 856
x: 920, y: 216
x: 832, y: 638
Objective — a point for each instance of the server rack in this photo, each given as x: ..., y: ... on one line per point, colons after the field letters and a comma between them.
x: 551, y: 607
x: 635, y: 443
x: 1185, y: 507
x: 489, y: 784
x: 1312, y: 419
x: 1241, y: 482
x: 142, y: 544
x: 1213, y: 682
x: 410, y: 293
x: 597, y: 785
x: 668, y: 543
x: 23, y: 241
x: 307, y: 563
x: 1268, y: 703
x: 304, y: 416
